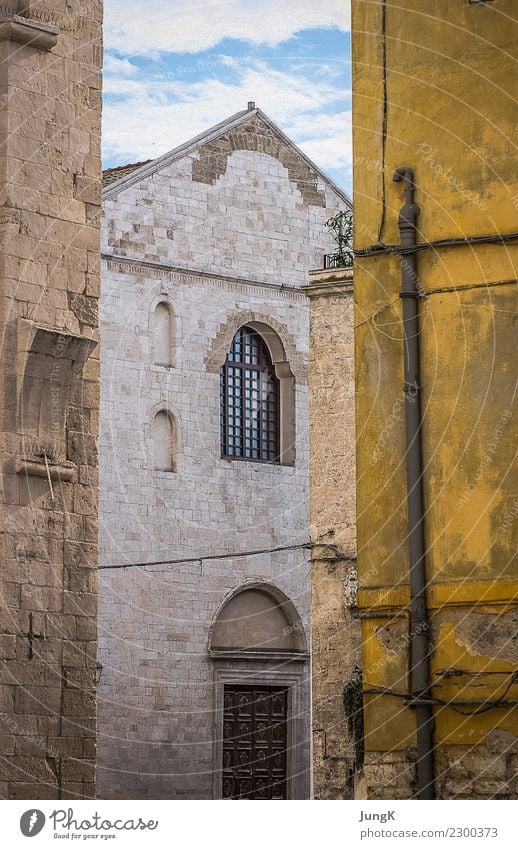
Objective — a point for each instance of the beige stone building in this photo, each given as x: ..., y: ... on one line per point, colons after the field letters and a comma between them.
x: 50, y: 95
x: 335, y: 630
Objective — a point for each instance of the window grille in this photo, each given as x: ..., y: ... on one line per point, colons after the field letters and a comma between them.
x: 249, y: 400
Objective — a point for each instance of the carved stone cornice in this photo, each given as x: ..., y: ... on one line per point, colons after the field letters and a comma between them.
x: 14, y: 26
x: 330, y: 281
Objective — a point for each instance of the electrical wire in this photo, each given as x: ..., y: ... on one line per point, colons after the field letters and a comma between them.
x: 382, y: 248
x: 426, y: 294
x: 457, y: 673
x: 481, y: 706
x: 308, y: 546
x: 378, y: 311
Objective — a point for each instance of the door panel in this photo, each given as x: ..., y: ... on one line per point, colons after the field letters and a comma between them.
x: 254, y: 742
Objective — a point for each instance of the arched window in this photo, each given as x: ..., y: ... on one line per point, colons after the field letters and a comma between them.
x: 162, y: 334
x: 163, y: 442
x: 249, y: 400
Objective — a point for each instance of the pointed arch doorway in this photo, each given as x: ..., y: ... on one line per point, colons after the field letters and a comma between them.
x: 258, y: 647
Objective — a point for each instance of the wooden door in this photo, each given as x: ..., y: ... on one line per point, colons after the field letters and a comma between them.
x: 254, y: 742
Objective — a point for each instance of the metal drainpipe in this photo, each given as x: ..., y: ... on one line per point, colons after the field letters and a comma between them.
x: 419, y: 627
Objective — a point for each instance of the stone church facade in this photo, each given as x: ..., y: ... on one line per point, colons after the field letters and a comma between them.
x: 204, y: 624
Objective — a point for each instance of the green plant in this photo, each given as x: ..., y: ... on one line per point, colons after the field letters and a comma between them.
x: 341, y: 226
x: 353, y: 706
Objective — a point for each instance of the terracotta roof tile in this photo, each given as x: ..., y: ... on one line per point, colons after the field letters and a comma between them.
x: 111, y: 175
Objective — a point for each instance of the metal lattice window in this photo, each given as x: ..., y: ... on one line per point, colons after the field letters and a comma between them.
x: 249, y: 400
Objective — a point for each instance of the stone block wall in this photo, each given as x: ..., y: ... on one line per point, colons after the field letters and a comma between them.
x: 489, y: 771
x: 50, y: 93
x: 225, y: 245
x: 335, y: 631
x: 257, y: 211
x: 156, y: 690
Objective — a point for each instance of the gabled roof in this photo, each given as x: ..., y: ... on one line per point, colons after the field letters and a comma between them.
x: 121, y: 177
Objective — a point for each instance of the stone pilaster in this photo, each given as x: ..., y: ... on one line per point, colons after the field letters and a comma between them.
x: 335, y: 630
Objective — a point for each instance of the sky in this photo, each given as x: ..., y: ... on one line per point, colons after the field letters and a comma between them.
x: 173, y: 69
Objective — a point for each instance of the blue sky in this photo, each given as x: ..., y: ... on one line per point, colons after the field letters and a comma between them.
x: 174, y: 69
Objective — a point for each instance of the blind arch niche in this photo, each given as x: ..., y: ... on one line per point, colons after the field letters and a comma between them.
x: 163, y: 334
x: 164, y: 442
x: 258, y: 620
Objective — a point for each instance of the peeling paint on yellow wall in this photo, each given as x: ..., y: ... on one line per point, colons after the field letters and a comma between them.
x: 449, y: 113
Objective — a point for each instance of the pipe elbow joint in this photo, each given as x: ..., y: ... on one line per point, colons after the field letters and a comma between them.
x: 405, y: 174
x: 409, y: 212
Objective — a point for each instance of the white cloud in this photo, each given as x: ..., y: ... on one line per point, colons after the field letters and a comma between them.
x: 148, y: 117
x: 325, y: 138
x: 170, y: 26
x: 330, y: 153
x: 113, y: 65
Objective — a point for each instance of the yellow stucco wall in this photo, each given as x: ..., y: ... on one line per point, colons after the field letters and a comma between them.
x: 448, y: 106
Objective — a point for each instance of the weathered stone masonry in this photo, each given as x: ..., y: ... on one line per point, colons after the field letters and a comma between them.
x: 50, y: 93
x: 335, y: 630
x: 258, y: 136
x: 228, y: 250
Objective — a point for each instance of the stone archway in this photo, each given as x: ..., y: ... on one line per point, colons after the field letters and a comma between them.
x: 289, y: 366
x: 276, y: 335
x: 258, y: 645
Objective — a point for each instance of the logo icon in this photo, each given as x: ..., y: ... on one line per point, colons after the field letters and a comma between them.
x: 31, y: 822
